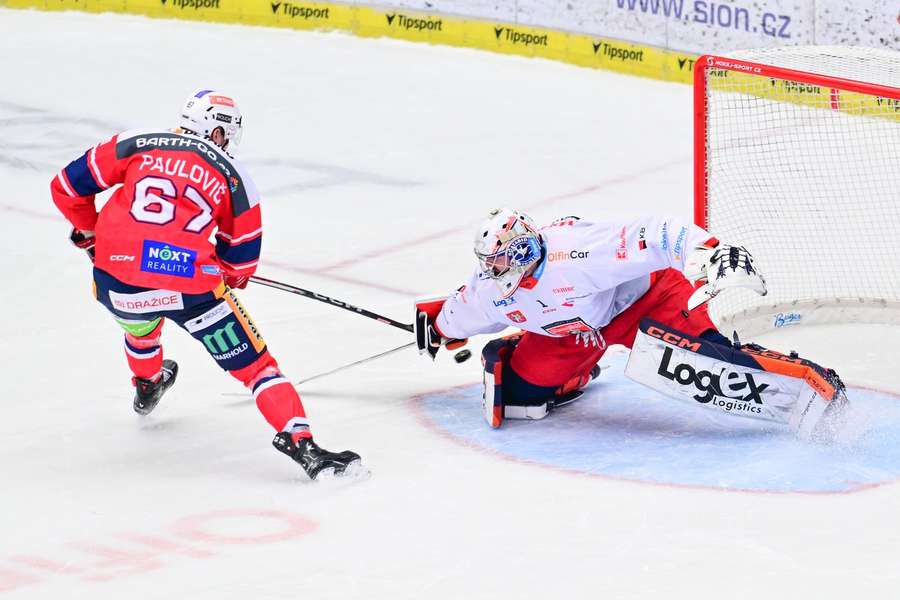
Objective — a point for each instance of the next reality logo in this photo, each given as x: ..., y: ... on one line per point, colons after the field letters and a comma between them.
x: 295, y: 11
x: 518, y: 37
x: 417, y: 24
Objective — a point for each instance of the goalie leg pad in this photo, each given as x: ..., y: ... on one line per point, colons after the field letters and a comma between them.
x: 748, y: 380
x: 506, y: 395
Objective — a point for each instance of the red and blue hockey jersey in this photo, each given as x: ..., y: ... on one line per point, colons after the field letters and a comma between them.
x: 157, y: 228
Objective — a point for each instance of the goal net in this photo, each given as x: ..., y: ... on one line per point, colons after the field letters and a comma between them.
x: 797, y: 157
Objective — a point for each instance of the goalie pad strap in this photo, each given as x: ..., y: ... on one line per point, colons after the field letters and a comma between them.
x: 492, y: 397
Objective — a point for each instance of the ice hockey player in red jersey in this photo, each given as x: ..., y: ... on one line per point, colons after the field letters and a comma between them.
x: 577, y: 287
x: 153, y: 258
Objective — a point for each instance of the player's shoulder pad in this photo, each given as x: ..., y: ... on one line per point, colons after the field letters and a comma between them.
x: 244, y: 194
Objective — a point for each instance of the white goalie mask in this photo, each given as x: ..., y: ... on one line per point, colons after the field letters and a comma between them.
x: 507, y: 244
x: 206, y: 110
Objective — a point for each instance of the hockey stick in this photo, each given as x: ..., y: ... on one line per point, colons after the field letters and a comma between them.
x: 328, y: 300
x: 335, y: 370
x: 355, y: 363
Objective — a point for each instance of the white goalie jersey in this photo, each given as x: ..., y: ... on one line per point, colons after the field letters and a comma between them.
x: 590, y: 272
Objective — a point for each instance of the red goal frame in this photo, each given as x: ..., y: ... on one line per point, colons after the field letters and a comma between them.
x: 707, y: 61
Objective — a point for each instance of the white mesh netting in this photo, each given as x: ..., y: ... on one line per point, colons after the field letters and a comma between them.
x: 806, y: 177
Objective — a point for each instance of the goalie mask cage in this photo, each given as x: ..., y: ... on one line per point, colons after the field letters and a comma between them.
x: 797, y: 157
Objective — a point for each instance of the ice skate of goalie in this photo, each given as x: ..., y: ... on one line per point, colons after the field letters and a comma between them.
x: 741, y: 379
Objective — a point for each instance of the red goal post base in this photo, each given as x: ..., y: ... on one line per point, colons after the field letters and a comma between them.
x: 757, y: 320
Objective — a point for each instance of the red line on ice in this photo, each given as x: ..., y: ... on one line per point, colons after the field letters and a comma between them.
x: 415, y: 402
x: 612, y: 181
x: 342, y: 278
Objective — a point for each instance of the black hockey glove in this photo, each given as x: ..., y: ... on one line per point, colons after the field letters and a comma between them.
x: 427, y: 338
x: 84, y: 240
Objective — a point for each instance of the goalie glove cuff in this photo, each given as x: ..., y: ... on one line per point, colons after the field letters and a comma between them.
x: 428, y: 339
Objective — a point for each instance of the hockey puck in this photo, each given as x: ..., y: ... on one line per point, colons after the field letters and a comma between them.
x: 462, y: 356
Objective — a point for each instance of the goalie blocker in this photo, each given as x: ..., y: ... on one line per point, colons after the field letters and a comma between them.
x: 745, y: 380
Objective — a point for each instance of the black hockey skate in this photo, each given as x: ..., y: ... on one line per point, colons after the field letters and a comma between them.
x: 312, y: 458
x: 834, y: 419
x: 147, y: 394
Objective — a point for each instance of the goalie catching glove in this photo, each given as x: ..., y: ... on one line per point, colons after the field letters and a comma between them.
x: 428, y: 338
x: 719, y: 267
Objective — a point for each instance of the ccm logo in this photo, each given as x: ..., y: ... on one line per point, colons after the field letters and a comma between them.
x: 671, y: 338
x: 121, y: 258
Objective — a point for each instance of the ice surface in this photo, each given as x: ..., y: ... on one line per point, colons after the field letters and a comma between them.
x: 375, y: 158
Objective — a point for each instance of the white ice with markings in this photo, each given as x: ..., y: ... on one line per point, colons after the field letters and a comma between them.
x: 375, y: 158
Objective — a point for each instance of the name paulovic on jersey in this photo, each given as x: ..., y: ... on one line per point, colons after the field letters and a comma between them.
x: 177, y: 167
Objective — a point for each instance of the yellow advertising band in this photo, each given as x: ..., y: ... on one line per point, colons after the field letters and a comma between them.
x: 365, y: 21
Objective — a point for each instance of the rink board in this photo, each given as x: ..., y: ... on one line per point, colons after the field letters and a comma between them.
x: 622, y: 430
x: 584, y: 50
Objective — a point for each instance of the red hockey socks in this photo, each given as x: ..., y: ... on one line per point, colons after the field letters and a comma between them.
x: 145, y: 353
x: 275, y: 397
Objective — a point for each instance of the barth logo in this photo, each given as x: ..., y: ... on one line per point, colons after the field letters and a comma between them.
x: 296, y: 11
x: 194, y: 4
x: 722, y: 389
x: 407, y: 23
x: 167, y: 259
x: 613, y: 52
x: 563, y: 255
x: 516, y: 316
x: 517, y: 37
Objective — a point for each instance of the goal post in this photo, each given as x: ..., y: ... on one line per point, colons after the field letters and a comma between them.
x: 797, y: 157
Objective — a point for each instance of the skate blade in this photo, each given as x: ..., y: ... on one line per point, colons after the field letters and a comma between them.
x: 355, y: 471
